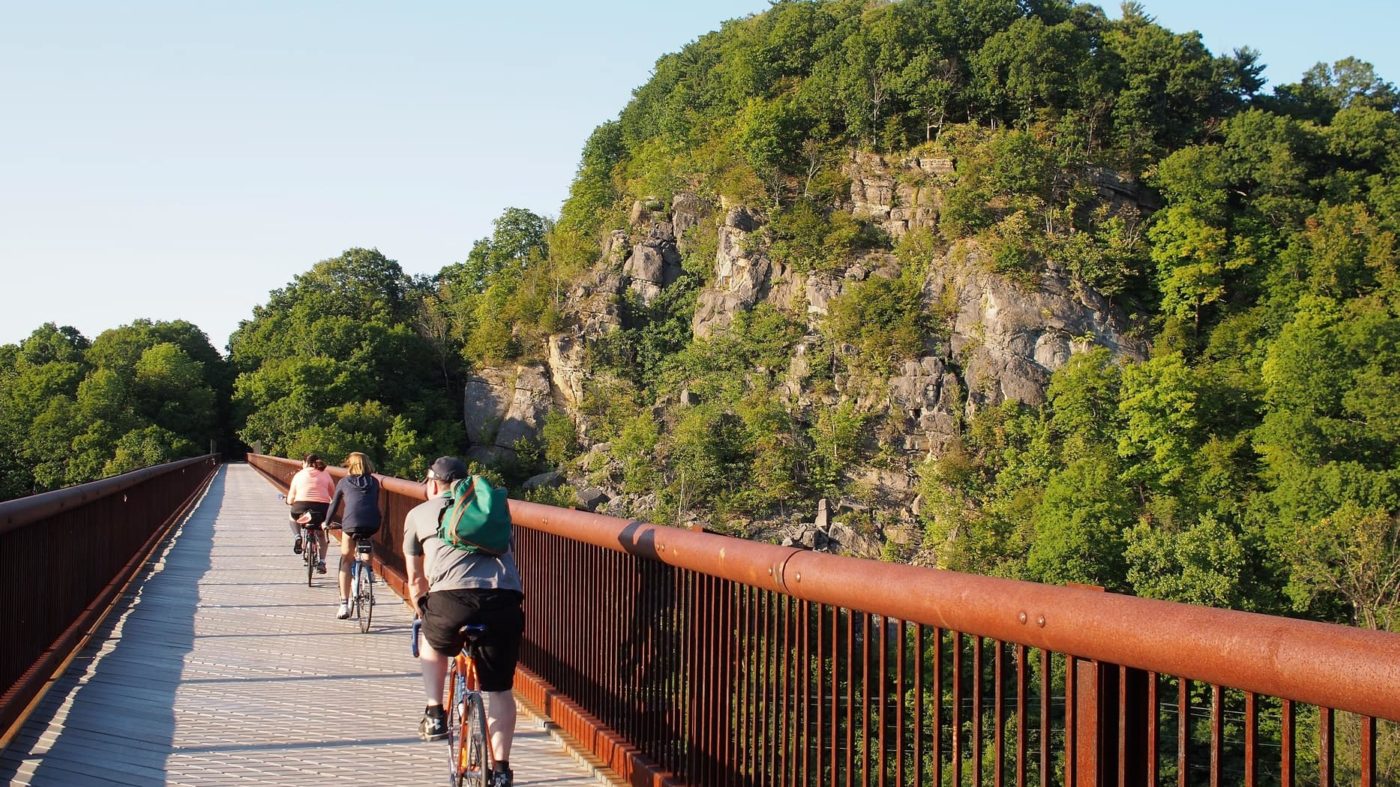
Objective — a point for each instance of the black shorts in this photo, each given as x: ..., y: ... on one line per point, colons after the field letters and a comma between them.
x: 318, y: 512
x: 498, y: 648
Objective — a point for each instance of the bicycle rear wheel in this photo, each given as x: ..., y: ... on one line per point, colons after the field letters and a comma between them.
x: 467, y: 748
x: 478, y: 753
x: 312, y: 553
x: 364, y: 596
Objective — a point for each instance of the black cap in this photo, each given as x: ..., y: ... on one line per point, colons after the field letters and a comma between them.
x: 447, y: 468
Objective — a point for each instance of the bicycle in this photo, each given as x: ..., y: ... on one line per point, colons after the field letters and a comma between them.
x: 362, y: 581
x: 311, y: 552
x: 468, y: 740
x: 310, y: 548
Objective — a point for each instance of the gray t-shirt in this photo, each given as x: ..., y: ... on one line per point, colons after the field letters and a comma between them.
x: 449, y: 568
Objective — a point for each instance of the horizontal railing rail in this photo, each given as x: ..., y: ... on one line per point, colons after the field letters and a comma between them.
x: 64, y: 558
x: 696, y: 658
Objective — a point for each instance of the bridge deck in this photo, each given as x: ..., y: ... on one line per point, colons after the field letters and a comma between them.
x: 221, y: 666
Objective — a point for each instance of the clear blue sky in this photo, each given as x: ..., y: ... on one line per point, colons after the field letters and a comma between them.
x: 178, y: 160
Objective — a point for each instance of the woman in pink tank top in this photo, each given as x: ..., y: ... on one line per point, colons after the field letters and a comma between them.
x: 309, y: 495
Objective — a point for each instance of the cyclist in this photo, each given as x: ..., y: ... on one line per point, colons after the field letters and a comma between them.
x: 309, y: 495
x: 359, y: 492
x: 450, y: 588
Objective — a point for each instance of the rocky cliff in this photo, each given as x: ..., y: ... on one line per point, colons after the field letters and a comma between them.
x: 1001, y: 339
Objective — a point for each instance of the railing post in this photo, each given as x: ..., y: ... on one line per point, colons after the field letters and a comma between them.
x: 1110, y: 725
x: 1092, y: 720
x: 1110, y: 722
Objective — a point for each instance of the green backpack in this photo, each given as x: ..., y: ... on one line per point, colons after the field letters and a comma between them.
x: 476, y: 518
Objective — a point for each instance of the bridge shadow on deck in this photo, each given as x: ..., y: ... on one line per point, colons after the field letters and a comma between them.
x: 116, y: 701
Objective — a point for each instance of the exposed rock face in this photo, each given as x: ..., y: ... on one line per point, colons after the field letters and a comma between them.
x: 488, y: 395
x: 999, y: 340
x: 505, y: 406
x: 928, y: 396
x: 687, y: 211
x: 652, y: 267
x: 897, y: 196
x: 528, y: 407
x: 547, y: 480
x: 654, y: 263
x: 1010, y: 340
x: 594, y: 299
x: 742, y: 276
x: 568, y: 367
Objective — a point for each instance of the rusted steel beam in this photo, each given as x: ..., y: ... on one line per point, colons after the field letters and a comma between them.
x: 1281, y: 657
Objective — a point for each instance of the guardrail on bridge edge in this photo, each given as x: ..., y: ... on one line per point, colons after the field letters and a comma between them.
x: 1330, y: 666
x: 48, y: 629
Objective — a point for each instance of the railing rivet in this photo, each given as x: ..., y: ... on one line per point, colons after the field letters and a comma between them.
x: 799, y: 576
x: 1040, y: 621
x: 770, y: 571
x: 1021, y: 617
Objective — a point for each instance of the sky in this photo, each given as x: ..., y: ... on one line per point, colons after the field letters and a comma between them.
x: 179, y: 160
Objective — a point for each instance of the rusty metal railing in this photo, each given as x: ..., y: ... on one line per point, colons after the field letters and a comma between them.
x: 693, y: 658
x: 64, y: 558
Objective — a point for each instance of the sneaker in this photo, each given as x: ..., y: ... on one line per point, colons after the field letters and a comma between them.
x: 433, y: 725
x: 343, y: 611
x: 296, y: 546
x: 321, y: 567
x: 501, y: 778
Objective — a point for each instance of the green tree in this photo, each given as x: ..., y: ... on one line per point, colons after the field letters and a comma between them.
x: 1080, y: 525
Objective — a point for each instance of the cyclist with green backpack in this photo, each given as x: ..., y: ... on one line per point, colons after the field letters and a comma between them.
x: 461, y: 570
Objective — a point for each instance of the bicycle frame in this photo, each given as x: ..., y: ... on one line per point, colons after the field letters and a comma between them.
x: 362, y: 580
x: 311, y: 548
x: 464, y: 666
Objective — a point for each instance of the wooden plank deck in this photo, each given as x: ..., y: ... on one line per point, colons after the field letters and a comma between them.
x: 221, y: 666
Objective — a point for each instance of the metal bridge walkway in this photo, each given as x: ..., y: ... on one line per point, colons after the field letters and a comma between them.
x: 221, y: 666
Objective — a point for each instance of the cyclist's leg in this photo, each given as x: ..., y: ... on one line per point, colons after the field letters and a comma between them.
x: 497, y: 656
x: 443, y: 617
x: 296, y: 532
x: 347, y: 564
x: 500, y: 720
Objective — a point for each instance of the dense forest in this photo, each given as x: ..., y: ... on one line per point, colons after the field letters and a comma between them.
x: 1248, y: 458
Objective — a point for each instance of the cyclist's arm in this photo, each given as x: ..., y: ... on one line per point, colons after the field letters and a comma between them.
x: 330, y: 509
x: 417, y: 582
x: 413, y: 562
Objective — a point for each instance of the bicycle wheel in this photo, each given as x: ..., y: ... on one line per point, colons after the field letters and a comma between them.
x: 478, y: 751
x: 457, y: 733
x: 364, y: 597
x: 312, y: 555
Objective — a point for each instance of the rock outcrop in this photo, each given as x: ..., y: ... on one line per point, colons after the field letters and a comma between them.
x: 926, y: 398
x: 897, y: 196
x: 652, y: 267
x: 1009, y: 339
x: 743, y: 275
x: 503, y: 407
x: 998, y: 340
